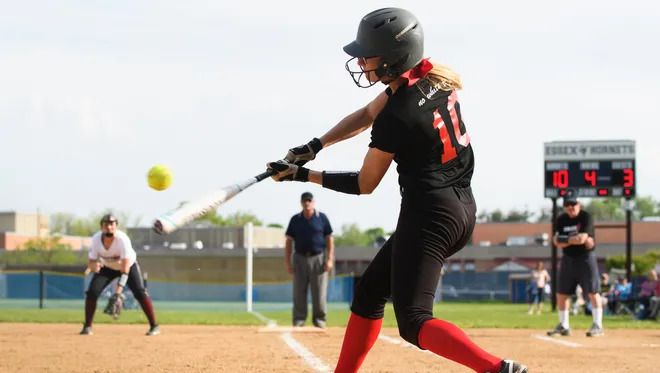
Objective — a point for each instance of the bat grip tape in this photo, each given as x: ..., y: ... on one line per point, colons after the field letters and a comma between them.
x: 123, y: 279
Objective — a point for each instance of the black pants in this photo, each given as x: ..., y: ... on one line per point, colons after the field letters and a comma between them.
x: 103, y: 278
x: 432, y: 226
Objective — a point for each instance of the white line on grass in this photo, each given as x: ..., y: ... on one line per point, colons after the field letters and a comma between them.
x: 305, y: 354
x: 264, y: 319
x: 558, y: 341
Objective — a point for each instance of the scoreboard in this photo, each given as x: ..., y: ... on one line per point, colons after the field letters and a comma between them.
x: 590, y: 169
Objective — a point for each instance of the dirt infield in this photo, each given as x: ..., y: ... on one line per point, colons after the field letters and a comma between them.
x: 114, y: 348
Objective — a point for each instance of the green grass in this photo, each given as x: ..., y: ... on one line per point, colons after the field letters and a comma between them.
x: 466, y: 315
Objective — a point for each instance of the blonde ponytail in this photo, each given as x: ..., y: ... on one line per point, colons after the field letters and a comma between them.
x: 444, y: 78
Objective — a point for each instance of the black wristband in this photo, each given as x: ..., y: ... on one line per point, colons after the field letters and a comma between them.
x: 302, y: 174
x: 345, y: 182
x: 315, y: 145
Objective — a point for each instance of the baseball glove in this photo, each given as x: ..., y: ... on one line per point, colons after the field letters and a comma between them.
x: 115, y: 305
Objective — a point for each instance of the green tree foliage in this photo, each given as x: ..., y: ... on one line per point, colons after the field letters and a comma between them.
x: 68, y: 224
x: 352, y: 235
x: 646, y: 206
x: 515, y: 216
x: 605, y: 209
x: 611, y: 209
x: 43, y: 251
x: 236, y: 219
x: 642, y: 264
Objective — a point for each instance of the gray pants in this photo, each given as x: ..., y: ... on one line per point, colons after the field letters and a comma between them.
x: 308, y: 272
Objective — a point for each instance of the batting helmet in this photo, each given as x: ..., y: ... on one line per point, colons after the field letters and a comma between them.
x: 393, y: 34
x: 108, y: 218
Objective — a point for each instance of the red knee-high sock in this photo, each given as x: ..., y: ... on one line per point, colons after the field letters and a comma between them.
x: 361, y: 334
x: 148, y: 309
x: 449, y: 341
x: 90, y: 307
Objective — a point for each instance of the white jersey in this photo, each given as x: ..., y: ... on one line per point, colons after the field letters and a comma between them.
x: 120, y: 248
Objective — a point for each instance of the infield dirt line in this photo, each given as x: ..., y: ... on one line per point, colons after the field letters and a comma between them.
x: 557, y: 341
x: 312, y: 360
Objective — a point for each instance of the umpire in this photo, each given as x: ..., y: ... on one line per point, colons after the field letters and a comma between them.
x: 574, y: 235
x: 309, y: 234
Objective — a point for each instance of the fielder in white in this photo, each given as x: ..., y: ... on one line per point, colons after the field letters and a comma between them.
x: 112, y: 256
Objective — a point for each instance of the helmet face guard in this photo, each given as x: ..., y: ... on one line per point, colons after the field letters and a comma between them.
x: 358, y: 73
x: 393, y: 34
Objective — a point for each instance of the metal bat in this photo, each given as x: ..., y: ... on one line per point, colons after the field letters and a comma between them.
x: 189, y: 211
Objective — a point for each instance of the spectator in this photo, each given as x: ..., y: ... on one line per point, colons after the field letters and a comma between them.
x: 621, y: 292
x: 540, y: 278
x: 647, y: 291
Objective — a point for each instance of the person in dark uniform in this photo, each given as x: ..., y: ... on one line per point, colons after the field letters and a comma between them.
x: 574, y: 235
x: 416, y: 122
x: 111, y: 256
x: 310, y: 233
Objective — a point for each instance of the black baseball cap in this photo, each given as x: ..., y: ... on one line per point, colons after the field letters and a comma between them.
x: 570, y: 200
x: 307, y: 196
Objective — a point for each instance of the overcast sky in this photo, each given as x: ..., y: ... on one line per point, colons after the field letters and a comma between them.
x: 93, y: 93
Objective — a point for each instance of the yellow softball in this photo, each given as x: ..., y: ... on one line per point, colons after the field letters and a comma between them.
x: 159, y: 177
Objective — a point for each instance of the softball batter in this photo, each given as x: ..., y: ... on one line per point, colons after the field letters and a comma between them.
x: 416, y: 121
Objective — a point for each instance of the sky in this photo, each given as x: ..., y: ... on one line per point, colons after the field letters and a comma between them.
x: 93, y: 93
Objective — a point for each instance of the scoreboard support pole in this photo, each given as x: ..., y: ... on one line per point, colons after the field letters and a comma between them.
x: 553, y: 276
x: 629, y: 205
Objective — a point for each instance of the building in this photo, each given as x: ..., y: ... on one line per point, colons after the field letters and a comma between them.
x: 17, y: 228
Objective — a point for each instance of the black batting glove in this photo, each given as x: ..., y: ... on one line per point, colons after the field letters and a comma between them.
x: 288, y: 171
x: 304, y: 153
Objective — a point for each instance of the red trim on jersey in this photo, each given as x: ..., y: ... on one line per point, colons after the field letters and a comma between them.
x: 418, y: 72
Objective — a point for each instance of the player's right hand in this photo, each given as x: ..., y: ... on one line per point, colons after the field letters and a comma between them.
x: 96, y: 267
x: 304, y: 153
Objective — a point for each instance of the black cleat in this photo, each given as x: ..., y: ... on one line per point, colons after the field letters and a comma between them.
x: 86, y: 330
x: 510, y: 366
x: 154, y: 330
x: 559, y: 329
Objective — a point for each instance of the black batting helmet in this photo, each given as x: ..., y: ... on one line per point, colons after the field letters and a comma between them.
x: 108, y: 218
x: 393, y: 34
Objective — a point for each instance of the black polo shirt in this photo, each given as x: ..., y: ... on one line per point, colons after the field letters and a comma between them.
x: 309, y: 234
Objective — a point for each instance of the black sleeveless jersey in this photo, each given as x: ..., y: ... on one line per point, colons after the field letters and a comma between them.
x: 422, y: 126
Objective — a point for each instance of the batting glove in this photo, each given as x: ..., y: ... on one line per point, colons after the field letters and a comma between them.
x: 304, y: 153
x: 288, y: 171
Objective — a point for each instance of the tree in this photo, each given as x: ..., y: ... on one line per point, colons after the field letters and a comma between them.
x: 48, y: 243
x: 374, y: 234
x: 236, y: 219
x: 239, y: 219
x: 351, y: 236
x: 496, y: 216
x: 68, y: 224
x: 646, y: 206
x: 517, y: 216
